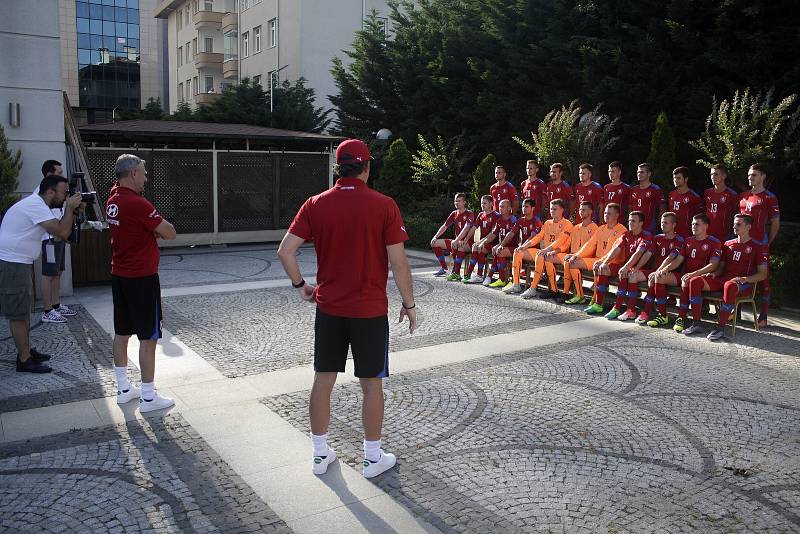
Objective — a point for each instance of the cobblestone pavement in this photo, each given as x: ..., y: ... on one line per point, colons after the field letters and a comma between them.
x: 156, y: 476
x: 244, y: 333
x: 631, y: 431
x: 243, y: 263
x: 82, y: 364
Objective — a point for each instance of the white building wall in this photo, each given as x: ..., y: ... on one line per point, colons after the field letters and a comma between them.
x: 30, y: 69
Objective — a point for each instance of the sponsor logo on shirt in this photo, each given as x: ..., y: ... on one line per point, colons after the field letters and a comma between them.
x: 112, y: 210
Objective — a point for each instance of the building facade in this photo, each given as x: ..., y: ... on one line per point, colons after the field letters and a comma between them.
x: 112, y: 56
x: 213, y: 43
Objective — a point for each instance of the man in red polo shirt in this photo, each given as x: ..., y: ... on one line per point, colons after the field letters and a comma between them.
x: 356, y: 232
x: 135, y: 225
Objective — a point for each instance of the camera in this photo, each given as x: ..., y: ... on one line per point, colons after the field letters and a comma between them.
x: 77, y: 183
x: 88, y: 196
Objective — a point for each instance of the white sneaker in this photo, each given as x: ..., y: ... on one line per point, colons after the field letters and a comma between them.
x: 627, y: 316
x: 513, y: 289
x: 373, y: 469
x: 474, y: 279
x: 486, y: 281
x: 529, y: 293
x: 65, y: 311
x: 157, y: 403
x: 320, y: 464
x: 128, y: 395
x: 53, y: 317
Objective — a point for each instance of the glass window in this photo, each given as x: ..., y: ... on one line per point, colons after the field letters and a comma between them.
x: 108, y: 28
x: 209, y: 86
x: 194, y: 45
x: 133, y: 31
x: 133, y: 4
x: 108, y: 13
x: 188, y: 89
x: 96, y: 27
x: 133, y: 16
x: 194, y: 85
x: 121, y: 29
x: 120, y: 14
x: 84, y: 56
x: 96, y: 12
x: 110, y: 42
x: 108, y: 2
x: 245, y: 44
x: 84, y: 41
x: 272, y: 27
x: 209, y: 44
x: 97, y: 41
x: 180, y: 56
x: 120, y: 3
x: 208, y: 5
x: 134, y: 43
x: 257, y: 79
x: 180, y: 92
x: 95, y: 56
x: 82, y: 9
x: 257, y: 39
x: 83, y: 25
x: 95, y: 1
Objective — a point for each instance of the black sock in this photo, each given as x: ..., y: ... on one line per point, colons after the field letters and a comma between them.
x: 57, y: 305
x: 48, y: 310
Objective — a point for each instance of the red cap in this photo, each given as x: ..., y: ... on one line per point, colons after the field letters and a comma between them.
x: 352, y: 151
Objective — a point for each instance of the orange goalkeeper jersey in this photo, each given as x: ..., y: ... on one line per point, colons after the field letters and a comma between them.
x: 602, y: 241
x: 553, y: 233
x: 581, y: 235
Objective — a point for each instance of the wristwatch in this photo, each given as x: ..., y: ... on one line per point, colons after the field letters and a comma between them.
x: 301, y: 284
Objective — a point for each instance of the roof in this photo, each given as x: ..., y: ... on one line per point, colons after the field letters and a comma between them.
x: 187, y: 129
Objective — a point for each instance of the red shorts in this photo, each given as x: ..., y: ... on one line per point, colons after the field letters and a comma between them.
x: 718, y: 284
x: 448, y: 243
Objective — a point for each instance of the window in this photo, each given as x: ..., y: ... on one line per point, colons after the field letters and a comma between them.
x: 245, y: 4
x: 272, y: 28
x: 194, y: 46
x: 180, y: 19
x: 273, y: 78
x: 195, y: 86
x: 188, y: 89
x: 188, y: 15
x: 180, y: 56
x: 187, y: 53
x: 208, y: 5
x: 209, y: 87
x: 209, y: 44
x: 384, y: 22
x: 245, y: 44
x: 180, y: 92
x: 257, y: 39
x: 231, y: 45
x: 195, y: 7
x: 257, y: 79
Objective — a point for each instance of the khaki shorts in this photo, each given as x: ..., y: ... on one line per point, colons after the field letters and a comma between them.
x: 16, y: 290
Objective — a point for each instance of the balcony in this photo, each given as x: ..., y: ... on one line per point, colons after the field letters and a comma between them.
x: 206, y: 98
x: 230, y: 69
x: 230, y: 22
x: 208, y: 19
x: 208, y: 60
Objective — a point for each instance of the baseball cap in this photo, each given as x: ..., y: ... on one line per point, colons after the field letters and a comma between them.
x: 352, y: 151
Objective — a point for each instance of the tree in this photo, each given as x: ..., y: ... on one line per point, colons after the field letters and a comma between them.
x: 567, y: 137
x: 482, y: 180
x: 395, y: 179
x: 183, y: 113
x: 662, y: 153
x: 10, y: 165
x: 745, y: 130
x: 435, y: 165
x: 293, y: 108
x: 153, y: 110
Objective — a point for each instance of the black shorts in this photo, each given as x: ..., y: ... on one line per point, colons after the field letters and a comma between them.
x: 137, y: 306
x: 367, y: 338
x: 55, y: 267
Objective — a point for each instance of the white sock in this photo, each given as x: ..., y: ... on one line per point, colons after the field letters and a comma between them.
x: 122, y: 378
x: 148, y: 390
x: 372, y: 450
x: 320, y: 444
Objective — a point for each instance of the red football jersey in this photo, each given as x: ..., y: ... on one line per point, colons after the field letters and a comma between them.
x: 630, y: 243
x: 131, y: 221
x: 535, y: 190
x: 617, y: 193
x: 699, y: 253
x: 351, y: 225
x: 685, y: 206
x: 486, y: 222
x: 720, y: 208
x: 762, y: 207
x: 592, y: 192
x: 560, y: 190
x: 503, y: 227
x: 460, y: 220
x: 526, y: 228
x: 743, y: 259
x: 502, y: 192
x: 664, y: 247
x: 647, y: 200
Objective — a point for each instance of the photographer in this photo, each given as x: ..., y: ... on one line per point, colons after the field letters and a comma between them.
x: 20, y: 245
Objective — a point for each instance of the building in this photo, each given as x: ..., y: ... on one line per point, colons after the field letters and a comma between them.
x: 31, y: 102
x: 113, y: 56
x: 213, y: 43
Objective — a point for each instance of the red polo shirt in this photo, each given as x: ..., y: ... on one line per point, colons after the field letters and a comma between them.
x: 351, y: 225
x: 131, y: 221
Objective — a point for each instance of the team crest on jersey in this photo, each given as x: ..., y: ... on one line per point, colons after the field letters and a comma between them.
x: 705, y: 247
x: 686, y: 199
x: 647, y: 194
x: 748, y: 250
x: 112, y: 210
x: 722, y: 200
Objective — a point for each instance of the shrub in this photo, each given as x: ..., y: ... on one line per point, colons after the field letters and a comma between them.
x: 662, y: 153
x: 482, y: 180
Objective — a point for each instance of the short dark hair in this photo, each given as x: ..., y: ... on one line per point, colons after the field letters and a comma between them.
x: 614, y: 206
x: 535, y: 162
x: 638, y: 214
x: 528, y: 202
x: 460, y: 195
x: 586, y: 203
x: 587, y: 166
x: 760, y: 167
x: 646, y: 165
x: 702, y: 217
x: 745, y: 217
x: 50, y: 182
x: 487, y: 197
x: 349, y: 170
x: 49, y: 166
x: 501, y: 167
x: 671, y: 215
x: 683, y: 171
x: 616, y: 164
x: 720, y: 167
x: 558, y: 165
x: 557, y: 202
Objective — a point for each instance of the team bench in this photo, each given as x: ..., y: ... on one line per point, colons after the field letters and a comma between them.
x: 713, y: 296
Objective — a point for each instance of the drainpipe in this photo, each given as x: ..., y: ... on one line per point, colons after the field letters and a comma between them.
x: 363, y: 12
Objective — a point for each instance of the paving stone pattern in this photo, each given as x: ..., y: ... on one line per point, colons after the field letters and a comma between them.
x: 157, y: 476
x: 237, y: 264
x: 82, y: 364
x: 244, y: 333
x: 631, y: 431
